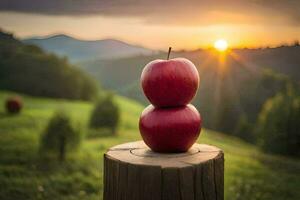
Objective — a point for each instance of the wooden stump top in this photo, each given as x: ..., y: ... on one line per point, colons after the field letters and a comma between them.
x: 133, y: 172
x: 138, y: 153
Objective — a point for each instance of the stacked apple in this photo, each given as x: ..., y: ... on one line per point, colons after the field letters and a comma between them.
x: 170, y: 124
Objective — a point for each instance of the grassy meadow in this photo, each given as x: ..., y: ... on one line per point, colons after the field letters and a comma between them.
x: 249, y: 174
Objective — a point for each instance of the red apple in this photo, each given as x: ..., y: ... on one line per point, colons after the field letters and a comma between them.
x: 170, y: 129
x: 169, y: 83
x: 14, y: 105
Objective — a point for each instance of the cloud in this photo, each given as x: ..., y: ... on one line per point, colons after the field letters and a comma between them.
x: 170, y: 12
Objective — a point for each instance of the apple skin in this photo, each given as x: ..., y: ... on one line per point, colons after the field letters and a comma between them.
x: 169, y: 83
x: 13, y: 105
x: 170, y: 130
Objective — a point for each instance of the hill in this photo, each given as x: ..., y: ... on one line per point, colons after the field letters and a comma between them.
x: 234, y: 85
x: 78, y: 50
x: 249, y: 174
x: 283, y: 60
x: 28, y: 69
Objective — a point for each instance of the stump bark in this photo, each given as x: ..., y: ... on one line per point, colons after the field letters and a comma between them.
x: 133, y: 172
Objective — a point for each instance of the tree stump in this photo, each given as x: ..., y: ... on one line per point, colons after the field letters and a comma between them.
x: 133, y: 172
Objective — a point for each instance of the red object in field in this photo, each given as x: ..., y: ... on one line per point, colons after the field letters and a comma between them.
x: 14, y: 105
x: 170, y: 129
x: 169, y: 83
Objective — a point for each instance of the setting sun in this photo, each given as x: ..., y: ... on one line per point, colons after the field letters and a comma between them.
x: 221, y: 45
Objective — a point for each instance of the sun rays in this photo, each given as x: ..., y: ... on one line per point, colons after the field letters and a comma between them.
x: 229, y: 65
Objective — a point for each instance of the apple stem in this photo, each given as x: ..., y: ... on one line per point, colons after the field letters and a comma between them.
x: 170, y: 48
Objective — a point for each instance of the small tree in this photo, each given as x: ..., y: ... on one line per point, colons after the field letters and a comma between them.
x: 296, y: 43
x: 279, y: 124
x: 60, y: 136
x: 106, y: 114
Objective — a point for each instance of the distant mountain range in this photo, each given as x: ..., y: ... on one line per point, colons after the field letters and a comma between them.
x: 123, y: 74
x: 80, y: 50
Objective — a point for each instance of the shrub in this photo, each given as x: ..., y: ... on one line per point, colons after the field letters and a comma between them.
x: 60, y: 137
x: 279, y: 124
x: 106, y: 114
x: 14, y: 105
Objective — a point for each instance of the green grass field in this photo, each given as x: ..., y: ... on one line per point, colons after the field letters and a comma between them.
x: 249, y: 174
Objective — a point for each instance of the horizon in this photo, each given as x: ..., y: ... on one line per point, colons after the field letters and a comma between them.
x: 51, y: 35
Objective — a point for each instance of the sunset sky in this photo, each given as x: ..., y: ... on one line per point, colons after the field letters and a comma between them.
x: 158, y: 24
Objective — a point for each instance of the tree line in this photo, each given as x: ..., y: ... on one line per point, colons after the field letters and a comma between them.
x: 28, y: 69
